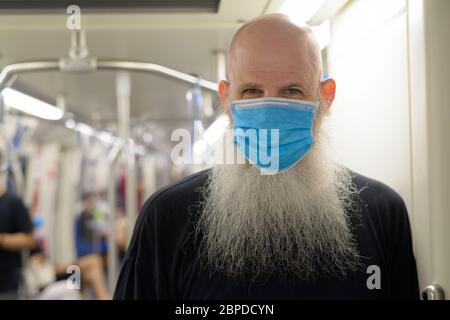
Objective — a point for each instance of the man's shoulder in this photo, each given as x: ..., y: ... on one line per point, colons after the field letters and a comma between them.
x: 178, y: 196
x: 180, y: 189
x: 381, y: 202
x: 374, y: 190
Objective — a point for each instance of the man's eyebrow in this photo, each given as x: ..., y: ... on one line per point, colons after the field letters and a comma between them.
x: 250, y: 85
x: 292, y: 85
x: 259, y: 86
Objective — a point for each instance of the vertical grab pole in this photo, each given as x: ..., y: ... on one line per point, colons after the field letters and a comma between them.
x: 112, y: 247
x: 123, y: 88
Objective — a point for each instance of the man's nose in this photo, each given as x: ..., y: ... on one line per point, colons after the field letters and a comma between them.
x: 272, y: 93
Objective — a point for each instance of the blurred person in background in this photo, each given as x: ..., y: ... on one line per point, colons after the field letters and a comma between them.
x: 47, y: 281
x: 90, y: 228
x: 16, y: 235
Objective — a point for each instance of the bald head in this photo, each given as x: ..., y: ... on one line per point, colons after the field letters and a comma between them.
x: 274, y: 43
x: 273, y: 57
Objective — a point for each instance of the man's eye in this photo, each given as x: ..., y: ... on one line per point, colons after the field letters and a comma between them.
x: 251, y: 91
x: 293, y: 91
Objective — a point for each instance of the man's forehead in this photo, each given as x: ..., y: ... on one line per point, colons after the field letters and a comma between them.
x: 248, y: 62
x: 272, y: 66
x: 259, y: 55
x: 268, y: 76
x: 271, y: 71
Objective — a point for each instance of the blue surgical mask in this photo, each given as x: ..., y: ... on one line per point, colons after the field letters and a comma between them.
x: 274, y: 134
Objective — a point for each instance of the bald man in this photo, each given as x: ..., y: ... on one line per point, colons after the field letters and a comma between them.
x: 287, y: 222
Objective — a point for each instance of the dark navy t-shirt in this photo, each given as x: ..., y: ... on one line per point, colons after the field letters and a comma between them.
x: 14, y: 218
x: 163, y: 259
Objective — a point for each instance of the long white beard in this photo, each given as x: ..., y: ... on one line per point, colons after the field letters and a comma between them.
x: 295, y: 222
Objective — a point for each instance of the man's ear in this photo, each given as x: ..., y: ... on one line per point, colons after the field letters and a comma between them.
x: 327, y: 92
x: 223, y: 92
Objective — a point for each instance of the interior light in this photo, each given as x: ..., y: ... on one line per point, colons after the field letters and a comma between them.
x: 300, y: 11
x: 25, y: 103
